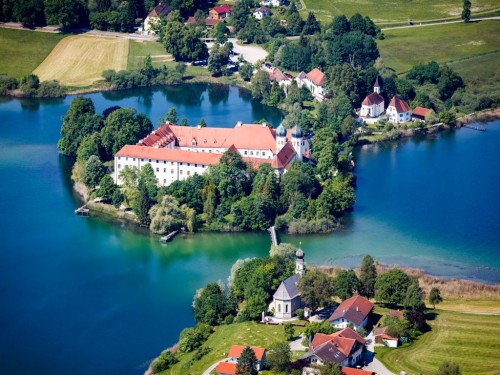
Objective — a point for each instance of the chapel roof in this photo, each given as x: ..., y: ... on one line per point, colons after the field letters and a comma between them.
x: 288, y: 288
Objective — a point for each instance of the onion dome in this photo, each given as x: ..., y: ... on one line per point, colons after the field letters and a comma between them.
x: 281, y: 131
x: 297, y: 132
x: 299, y: 254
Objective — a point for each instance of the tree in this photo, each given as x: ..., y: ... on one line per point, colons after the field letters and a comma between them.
x: 330, y: 368
x: 67, y: 13
x: 29, y: 85
x: 260, y: 85
x: 247, y: 364
x: 284, y: 250
x: 163, y: 362
x: 144, y: 204
x: 449, y: 368
x: 202, y: 123
x: 340, y: 25
x: 279, y: 356
x: 183, y: 122
x: 391, y: 286
x: 29, y: 12
x: 448, y: 83
x: 218, y: 59
x: 312, y: 25
x: 166, y: 216
x: 466, y: 11
x: 414, y: 299
x: 435, y: 297
x: 289, y: 331
x: 211, y: 305
x: 346, y: 284
x: 94, y: 171
x: 171, y: 115
x: 315, y: 288
x: 107, y: 188
x: 88, y: 147
x: 246, y: 72
x: 368, y: 277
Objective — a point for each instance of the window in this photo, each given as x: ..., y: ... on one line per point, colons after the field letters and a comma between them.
x: 164, y: 162
x: 126, y: 158
x: 172, y: 171
x: 189, y: 164
x: 279, y: 307
x: 180, y: 172
x: 133, y: 159
x: 196, y: 165
x: 188, y: 173
x: 245, y: 152
x: 286, y: 307
x: 142, y: 159
x: 157, y: 169
x: 119, y: 157
x: 119, y: 165
x: 164, y: 169
x: 164, y: 181
x: 171, y: 163
x: 181, y: 163
x: 150, y: 160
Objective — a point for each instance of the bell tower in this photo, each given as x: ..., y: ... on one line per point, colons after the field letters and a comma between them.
x: 299, y: 262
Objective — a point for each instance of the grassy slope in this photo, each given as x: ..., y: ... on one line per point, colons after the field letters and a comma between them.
x: 396, y: 11
x: 80, y: 60
x: 18, y: 62
x: 403, y: 48
x: 248, y: 333
x: 138, y: 50
x: 471, y: 340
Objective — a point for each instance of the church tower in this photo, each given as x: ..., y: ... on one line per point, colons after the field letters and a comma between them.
x: 298, y: 141
x: 280, y: 137
x: 376, y: 86
x: 299, y: 262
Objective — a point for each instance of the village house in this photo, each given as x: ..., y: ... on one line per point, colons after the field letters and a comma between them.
x: 344, y: 371
x: 178, y: 152
x: 286, y: 299
x: 283, y: 79
x: 354, y: 310
x: 153, y: 18
x: 274, y: 3
x: 373, y: 105
x: 261, y: 12
x: 229, y: 367
x: 419, y: 113
x: 398, y: 111
x: 314, y: 81
x: 209, y: 22
x: 381, y: 337
x: 343, y: 347
x: 220, y: 12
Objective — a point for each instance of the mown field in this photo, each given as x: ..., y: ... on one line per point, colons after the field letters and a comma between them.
x: 454, y: 43
x: 387, y: 12
x: 138, y: 50
x: 80, y: 60
x: 470, y: 340
x: 248, y: 333
x: 22, y: 51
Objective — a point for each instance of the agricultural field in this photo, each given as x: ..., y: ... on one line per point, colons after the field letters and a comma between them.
x: 462, y: 45
x: 22, y: 51
x: 393, y: 12
x: 138, y: 50
x: 248, y: 333
x: 79, y: 61
x: 470, y: 340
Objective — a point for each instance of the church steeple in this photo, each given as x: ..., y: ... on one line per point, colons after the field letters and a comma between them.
x: 299, y: 262
x: 376, y: 86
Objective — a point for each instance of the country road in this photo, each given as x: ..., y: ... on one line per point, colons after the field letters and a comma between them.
x: 439, y: 23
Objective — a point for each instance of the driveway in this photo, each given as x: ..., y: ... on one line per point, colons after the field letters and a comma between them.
x: 296, y: 345
x: 373, y: 364
x: 211, y: 368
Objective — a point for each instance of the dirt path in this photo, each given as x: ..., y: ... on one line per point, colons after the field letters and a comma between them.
x: 439, y: 23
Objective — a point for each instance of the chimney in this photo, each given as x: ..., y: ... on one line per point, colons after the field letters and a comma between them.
x: 357, y: 308
x: 264, y: 124
x: 239, y: 123
x: 198, y: 127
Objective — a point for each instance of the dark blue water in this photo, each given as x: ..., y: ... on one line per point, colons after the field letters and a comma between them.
x: 87, y: 296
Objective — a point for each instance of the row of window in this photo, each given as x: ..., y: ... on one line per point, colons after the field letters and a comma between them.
x: 165, y: 162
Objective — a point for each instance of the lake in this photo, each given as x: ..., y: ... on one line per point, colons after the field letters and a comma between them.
x: 88, y: 296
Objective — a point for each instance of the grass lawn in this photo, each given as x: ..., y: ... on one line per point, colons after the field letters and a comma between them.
x: 248, y: 333
x: 138, y: 50
x: 470, y: 340
x: 18, y: 62
x: 403, y: 48
x: 80, y: 60
x: 396, y: 12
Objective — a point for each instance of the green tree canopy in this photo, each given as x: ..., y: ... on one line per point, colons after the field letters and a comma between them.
x: 414, y: 299
x: 435, y: 297
x: 247, y: 363
x: 346, y: 284
x: 94, y: 171
x: 368, y: 277
x: 279, y: 356
x: 391, y: 286
x: 211, y: 305
x: 315, y: 289
x: 166, y: 216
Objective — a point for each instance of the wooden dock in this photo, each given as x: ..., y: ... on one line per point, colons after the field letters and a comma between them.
x: 475, y: 127
x: 82, y: 211
x: 168, y: 237
x: 274, y: 236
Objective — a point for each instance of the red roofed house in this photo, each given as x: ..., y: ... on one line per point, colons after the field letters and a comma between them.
x: 398, y: 111
x: 177, y: 152
x: 419, y: 113
x: 314, y: 81
x: 226, y: 368
x: 260, y: 354
x: 344, y: 347
x: 153, y: 18
x: 355, y: 371
x: 373, y: 104
x: 354, y: 310
x: 220, y: 12
x: 381, y: 337
x: 209, y: 22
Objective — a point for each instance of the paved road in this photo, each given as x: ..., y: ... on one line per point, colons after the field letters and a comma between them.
x: 211, y: 368
x: 369, y: 357
x: 439, y: 23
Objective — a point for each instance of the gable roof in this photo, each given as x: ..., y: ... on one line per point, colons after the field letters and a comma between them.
x: 355, y: 371
x: 277, y: 75
x: 354, y: 309
x: 224, y: 8
x: 373, y: 98
x: 284, y: 157
x: 288, y: 288
x: 335, y: 347
x: 262, y: 10
x: 161, y: 9
x: 420, y: 111
x: 226, y: 368
x: 400, y: 105
x: 236, y: 350
x: 381, y: 331
x: 168, y: 154
x: 316, y: 76
x: 395, y: 314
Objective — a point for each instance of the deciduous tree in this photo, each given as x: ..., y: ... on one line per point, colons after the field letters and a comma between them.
x: 368, y: 277
x: 316, y: 289
x: 391, y: 286
x: 435, y: 297
x: 279, y: 356
x: 346, y: 284
x: 94, y: 171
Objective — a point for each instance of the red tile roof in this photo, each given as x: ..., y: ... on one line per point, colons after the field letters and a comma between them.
x: 354, y: 309
x: 224, y: 8
x: 161, y: 9
x: 236, y: 350
x: 277, y: 75
x: 396, y: 314
x: 337, y: 346
x: 284, y: 157
x: 399, y: 104
x: 373, y: 98
x: 212, y: 21
x: 355, y: 371
x: 257, y: 162
x: 316, y: 76
x: 167, y: 154
x: 226, y: 368
x: 420, y: 111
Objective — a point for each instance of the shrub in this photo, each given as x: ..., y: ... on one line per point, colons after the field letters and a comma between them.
x: 300, y: 313
x: 163, y: 362
x: 229, y: 320
x: 50, y: 89
x: 7, y: 83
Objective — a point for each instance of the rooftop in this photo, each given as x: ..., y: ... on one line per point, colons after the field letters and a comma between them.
x: 316, y: 76
x: 354, y: 309
x: 236, y: 350
x: 400, y: 105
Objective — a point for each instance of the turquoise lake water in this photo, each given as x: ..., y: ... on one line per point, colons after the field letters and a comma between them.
x: 87, y: 296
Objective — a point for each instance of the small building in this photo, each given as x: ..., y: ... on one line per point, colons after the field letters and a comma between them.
x: 220, y: 12
x: 153, y: 18
x: 344, y: 348
x: 355, y: 371
x: 235, y: 354
x: 396, y: 314
x: 354, y: 310
x: 274, y: 3
x: 381, y: 337
x: 373, y: 104
x: 209, y: 22
x: 398, y: 111
x: 226, y: 368
x: 419, y: 113
x: 286, y: 299
x: 283, y: 79
x: 261, y: 12
x: 314, y: 81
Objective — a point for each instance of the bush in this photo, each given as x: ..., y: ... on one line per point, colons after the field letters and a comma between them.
x: 229, y: 320
x: 163, y: 362
x: 289, y: 331
x: 200, y: 353
x: 246, y: 72
x: 50, y: 89
x: 300, y: 313
x: 7, y: 83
